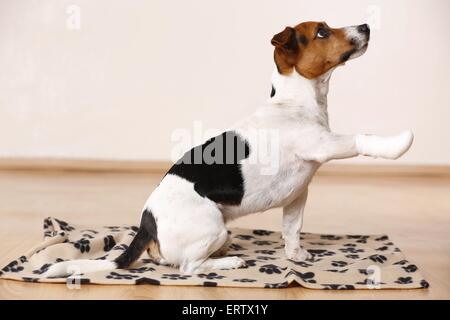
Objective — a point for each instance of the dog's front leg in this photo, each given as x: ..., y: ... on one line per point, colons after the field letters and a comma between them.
x: 292, y: 225
x: 334, y: 146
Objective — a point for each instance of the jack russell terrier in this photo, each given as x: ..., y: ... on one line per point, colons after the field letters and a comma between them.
x: 183, y: 220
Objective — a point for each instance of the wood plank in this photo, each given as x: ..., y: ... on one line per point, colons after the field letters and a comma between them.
x: 132, y: 166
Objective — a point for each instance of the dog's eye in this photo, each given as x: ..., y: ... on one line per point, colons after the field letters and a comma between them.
x: 322, y: 33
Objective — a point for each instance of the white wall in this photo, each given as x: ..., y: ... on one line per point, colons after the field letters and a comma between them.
x: 137, y: 70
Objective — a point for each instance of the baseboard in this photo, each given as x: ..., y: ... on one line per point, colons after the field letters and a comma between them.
x: 84, y: 165
x: 128, y: 166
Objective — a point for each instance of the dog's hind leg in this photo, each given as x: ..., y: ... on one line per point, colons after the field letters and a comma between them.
x: 224, y: 249
x: 199, y: 260
x: 231, y: 262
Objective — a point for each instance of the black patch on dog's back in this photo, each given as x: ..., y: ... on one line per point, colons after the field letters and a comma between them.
x: 214, y: 168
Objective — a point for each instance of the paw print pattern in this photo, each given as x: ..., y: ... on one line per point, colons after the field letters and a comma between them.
x: 64, y: 225
x: 351, y: 250
x: 262, y: 249
x: 306, y: 277
x: 301, y: 263
x: 330, y: 237
x: 47, y: 223
x: 119, y: 276
x: 404, y: 280
x: 401, y: 262
x: 113, y: 228
x: 236, y: 247
x: 259, y: 232
x: 262, y: 242
x: 141, y: 270
x: 269, y: 252
x: 251, y: 262
x: 410, y: 268
x: 320, y: 253
x: 359, y: 238
x: 244, y: 237
x: 42, y: 269
x: 378, y: 258
x: 349, y: 245
x: 210, y: 276
x: 363, y: 239
x: 265, y: 258
x: 245, y: 280
x: 382, y: 238
x: 175, y: 276
x: 109, y: 243
x: 83, y: 245
x: 13, y: 267
x: 271, y: 268
x: 337, y: 270
x: 339, y: 263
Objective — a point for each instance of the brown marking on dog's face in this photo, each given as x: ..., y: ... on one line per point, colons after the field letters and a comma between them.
x: 313, y: 48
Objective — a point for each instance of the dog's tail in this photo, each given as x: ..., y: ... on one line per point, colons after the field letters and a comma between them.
x: 146, y: 238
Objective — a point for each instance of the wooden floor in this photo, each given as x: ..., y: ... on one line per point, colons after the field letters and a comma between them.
x: 415, y: 212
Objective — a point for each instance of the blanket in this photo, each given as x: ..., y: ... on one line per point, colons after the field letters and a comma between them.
x: 338, y: 261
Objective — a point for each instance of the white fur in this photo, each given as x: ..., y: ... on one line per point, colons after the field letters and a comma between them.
x: 81, y: 266
x: 384, y: 147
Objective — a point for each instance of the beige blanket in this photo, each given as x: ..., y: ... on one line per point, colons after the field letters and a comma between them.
x: 339, y: 261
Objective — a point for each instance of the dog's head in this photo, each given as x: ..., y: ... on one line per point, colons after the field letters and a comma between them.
x: 313, y: 48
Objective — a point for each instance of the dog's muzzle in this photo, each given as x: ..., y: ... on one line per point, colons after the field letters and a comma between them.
x: 359, y: 36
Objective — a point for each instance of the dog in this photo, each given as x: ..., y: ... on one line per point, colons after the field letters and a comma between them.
x: 183, y: 220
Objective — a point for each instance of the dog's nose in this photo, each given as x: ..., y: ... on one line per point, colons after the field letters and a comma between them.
x: 363, y: 28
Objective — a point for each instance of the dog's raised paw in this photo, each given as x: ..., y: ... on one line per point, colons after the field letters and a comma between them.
x: 399, y: 144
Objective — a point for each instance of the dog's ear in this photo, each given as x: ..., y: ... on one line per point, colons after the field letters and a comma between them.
x: 286, y: 40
